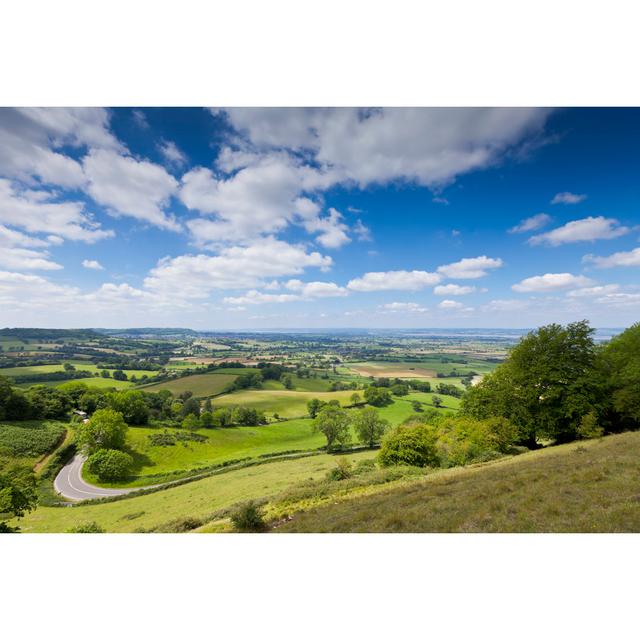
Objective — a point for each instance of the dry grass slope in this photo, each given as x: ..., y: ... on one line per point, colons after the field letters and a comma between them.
x: 588, y: 487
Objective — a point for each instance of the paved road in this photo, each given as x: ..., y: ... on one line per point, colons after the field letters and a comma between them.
x: 69, y: 483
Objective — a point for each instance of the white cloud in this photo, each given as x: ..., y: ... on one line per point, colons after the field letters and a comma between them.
x: 333, y: 232
x: 234, y: 268
x: 171, y: 153
x: 257, y: 297
x: 428, y: 146
x: 452, y: 290
x: 531, y: 224
x: 37, y: 212
x: 31, y: 140
x: 619, y: 259
x: 130, y: 187
x: 398, y: 280
x: 469, y: 268
x: 317, y: 289
x: 620, y: 299
x: 140, y: 119
x: 92, y: 264
x: 450, y: 304
x: 566, y: 197
x: 363, y: 233
x: 585, y: 230
x: 551, y: 282
x: 590, y: 292
x: 404, y: 307
x: 15, y: 255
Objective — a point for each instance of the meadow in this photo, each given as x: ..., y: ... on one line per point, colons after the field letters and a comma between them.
x: 201, y: 384
x: 197, y: 499
x: 287, y: 404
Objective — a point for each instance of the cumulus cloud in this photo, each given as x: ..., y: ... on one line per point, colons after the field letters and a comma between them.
x: 32, y: 139
x: 428, y: 146
x: 257, y: 297
x: 620, y: 299
x: 403, y: 307
x: 331, y: 229
x: 619, y: 259
x: 590, y: 292
x: 566, y: 197
x: 130, y: 187
x: 36, y: 211
x: 398, y: 280
x: 531, y: 224
x: 17, y: 252
x: 92, y: 264
x: 452, y: 290
x: 551, y: 282
x: 171, y: 153
x: 470, y: 268
x: 363, y: 233
x: 239, y: 267
x: 317, y: 289
x: 585, y: 230
x: 450, y: 304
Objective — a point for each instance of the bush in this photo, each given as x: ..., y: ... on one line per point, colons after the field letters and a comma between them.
x: 412, y: 444
x: 86, y: 527
x: 110, y: 464
x: 248, y: 518
x: 341, y: 471
x: 589, y: 427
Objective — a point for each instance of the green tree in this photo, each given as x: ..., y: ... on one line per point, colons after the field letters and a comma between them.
x: 413, y: 444
x: 18, y: 492
x: 105, y: 373
x: 377, y: 396
x: 356, y: 399
x: 589, y: 427
x: 333, y: 422
x: 544, y: 387
x: 288, y: 383
x: 369, y: 426
x: 618, y: 377
x: 191, y: 407
x: 119, y: 374
x: 191, y: 422
x: 131, y: 404
x: 313, y: 407
x: 206, y: 419
x: 106, y: 429
x: 436, y: 401
x: 110, y: 464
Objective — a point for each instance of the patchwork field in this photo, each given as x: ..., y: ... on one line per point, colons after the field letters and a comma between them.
x: 101, y: 383
x: 429, y: 368
x: 193, y: 500
x: 287, y: 404
x: 202, y: 385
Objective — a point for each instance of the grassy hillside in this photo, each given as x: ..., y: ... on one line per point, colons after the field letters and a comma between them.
x: 196, y: 499
x: 588, y: 487
x: 29, y: 440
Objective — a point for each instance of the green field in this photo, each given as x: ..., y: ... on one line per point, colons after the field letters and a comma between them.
x: 585, y: 487
x: 287, y: 404
x: 300, y: 384
x: 100, y: 383
x: 221, y: 445
x: 78, y: 364
x: 29, y: 440
x: 202, y: 384
x: 195, y: 499
x: 428, y: 368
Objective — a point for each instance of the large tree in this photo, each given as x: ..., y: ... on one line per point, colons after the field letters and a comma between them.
x: 545, y: 386
x: 105, y: 430
x: 333, y: 422
x: 132, y: 405
x: 369, y: 426
x: 18, y: 493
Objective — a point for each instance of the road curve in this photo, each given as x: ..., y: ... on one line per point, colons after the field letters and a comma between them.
x: 69, y: 483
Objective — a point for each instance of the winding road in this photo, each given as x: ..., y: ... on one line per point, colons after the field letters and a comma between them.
x: 70, y: 485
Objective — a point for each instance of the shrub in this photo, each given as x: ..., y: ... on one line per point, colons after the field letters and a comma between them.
x: 110, y: 464
x: 502, y: 432
x: 191, y: 421
x: 86, y: 527
x: 341, y: 471
x: 589, y: 427
x: 248, y: 518
x: 412, y: 444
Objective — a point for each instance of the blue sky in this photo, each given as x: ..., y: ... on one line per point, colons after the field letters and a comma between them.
x: 275, y: 218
